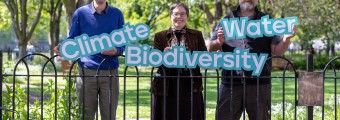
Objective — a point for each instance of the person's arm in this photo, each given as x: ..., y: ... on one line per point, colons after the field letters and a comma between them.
x: 201, y: 42
x: 75, y: 26
x: 74, y: 31
x: 157, y: 43
x: 282, y: 46
x: 116, y: 50
x: 121, y: 22
x: 217, y: 39
x: 215, y: 45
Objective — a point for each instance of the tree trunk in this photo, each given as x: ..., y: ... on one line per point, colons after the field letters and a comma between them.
x: 174, y: 1
x: 330, y: 47
x: 218, y: 8
x: 82, y: 2
x: 70, y: 7
x: 214, y: 19
x: 210, y: 17
x: 55, y: 14
x: 22, y: 26
x: 228, y: 7
x: 333, y: 49
x: 22, y: 51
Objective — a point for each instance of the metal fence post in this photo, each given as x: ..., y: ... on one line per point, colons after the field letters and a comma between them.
x: 1, y: 79
x: 310, y: 68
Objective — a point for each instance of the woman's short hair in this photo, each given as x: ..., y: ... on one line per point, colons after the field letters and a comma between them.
x: 177, y: 4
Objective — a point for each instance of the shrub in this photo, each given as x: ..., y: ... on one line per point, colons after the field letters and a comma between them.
x: 48, y: 104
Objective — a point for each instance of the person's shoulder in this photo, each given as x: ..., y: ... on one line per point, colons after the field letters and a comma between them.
x: 230, y: 15
x: 194, y: 31
x: 114, y: 10
x: 261, y: 14
x: 83, y: 9
x: 164, y: 32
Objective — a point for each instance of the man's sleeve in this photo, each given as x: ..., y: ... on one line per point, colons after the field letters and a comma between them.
x: 156, y: 43
x: 75, y: 26
x: 276, y: 39
x: 214, y: 33
x: 121, y: 49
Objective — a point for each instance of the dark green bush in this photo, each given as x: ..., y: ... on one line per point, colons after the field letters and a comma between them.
x: 320, y: 61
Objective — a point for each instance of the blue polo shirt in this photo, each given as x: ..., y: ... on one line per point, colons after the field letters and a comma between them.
x: 86, y: 20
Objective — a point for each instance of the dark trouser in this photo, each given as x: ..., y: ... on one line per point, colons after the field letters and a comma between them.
x: 231, y: 103
x: 184, y: 109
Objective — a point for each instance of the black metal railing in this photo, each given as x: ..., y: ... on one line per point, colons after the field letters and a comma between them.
x: 288, y: 73
x: 333, y: 76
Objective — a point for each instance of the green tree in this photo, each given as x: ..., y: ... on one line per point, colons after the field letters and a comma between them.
x: 6, y: 32
x: 4, y: 17
x: 23, y: 23
x: 220, y: 8
x: 7, y: 37
x: 150, y: 12
x: 317, y: 19
x: 329, y: 22
x: 55, y: 12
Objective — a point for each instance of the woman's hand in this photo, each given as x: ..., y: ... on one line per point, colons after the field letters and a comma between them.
x: 167, y: 48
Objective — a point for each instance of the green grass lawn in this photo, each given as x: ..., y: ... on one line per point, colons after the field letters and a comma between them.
x: 211, y: 90
x: 211, y: 95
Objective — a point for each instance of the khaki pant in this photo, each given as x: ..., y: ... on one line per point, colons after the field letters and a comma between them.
x: 90, y: 93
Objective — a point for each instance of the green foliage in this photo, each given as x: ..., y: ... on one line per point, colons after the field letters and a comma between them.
x: 318, y: 19
x: 197, y: 19
x: 5, y: 18
x: 6, y: 32
x: 57, y: 98
x: 320, y: 60
x: 7, y: 37
x: 151, y: 12
x: 300, y: 63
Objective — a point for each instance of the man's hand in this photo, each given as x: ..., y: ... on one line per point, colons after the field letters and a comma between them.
x: 280, y: 48
x: 288, y: 37
x: 110, y: 52
x: 220, y: 36
x: 216, y: 45
x: 56, y: 50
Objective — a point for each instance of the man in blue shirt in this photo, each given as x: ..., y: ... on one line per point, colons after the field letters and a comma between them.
x: 94, y: 19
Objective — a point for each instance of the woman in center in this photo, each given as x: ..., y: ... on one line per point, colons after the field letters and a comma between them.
x: 177, y: 94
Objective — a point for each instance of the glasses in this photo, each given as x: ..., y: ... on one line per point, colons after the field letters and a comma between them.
x: 179, y: 14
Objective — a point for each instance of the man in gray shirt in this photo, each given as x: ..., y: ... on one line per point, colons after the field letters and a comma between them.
x: 230, y: 103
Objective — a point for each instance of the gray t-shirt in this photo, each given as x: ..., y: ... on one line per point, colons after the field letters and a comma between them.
x: 242, y: 43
